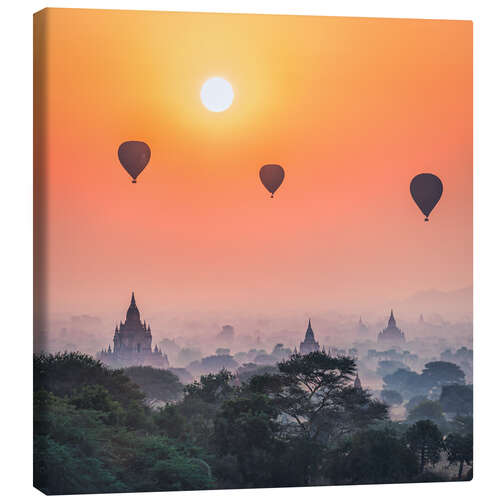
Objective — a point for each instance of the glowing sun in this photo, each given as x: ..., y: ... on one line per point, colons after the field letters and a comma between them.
x: 217, y: 94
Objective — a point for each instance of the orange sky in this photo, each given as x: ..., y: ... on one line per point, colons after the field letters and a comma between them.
x: 352, y: 108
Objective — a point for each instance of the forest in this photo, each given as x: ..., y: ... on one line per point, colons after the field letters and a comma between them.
x: 304, y: 423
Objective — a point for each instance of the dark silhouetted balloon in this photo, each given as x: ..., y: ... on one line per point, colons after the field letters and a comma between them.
x: 272, y: 176
x: 426, y: 190
x: 134, y: 156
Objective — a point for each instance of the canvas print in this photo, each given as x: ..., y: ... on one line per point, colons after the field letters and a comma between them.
x: 253, y: 251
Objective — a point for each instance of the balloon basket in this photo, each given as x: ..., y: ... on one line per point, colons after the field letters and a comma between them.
x: 134, y: 182
x: 426, y: 219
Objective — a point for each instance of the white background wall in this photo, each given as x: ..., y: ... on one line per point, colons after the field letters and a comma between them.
x: 16, y: 235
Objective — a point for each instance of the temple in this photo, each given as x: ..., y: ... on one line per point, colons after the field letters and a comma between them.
x: 132, y: 344
x: 391, y: 335
x: 309, y: 344
x: 357, y: 382
x: 362, y: 329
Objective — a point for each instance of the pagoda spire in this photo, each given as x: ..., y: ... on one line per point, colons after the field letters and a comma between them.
x: 392, y: 321
x: 357, y: 382
x: 133, y: 312
x: 309, y: 331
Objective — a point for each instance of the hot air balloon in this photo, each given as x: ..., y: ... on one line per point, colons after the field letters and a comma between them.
x: 426, y: 190
x: 272, y: 176
x: 134, y: 156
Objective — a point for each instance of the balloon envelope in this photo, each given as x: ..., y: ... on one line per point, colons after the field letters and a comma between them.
x: 134, y: 156
x: 272, y: 176
x: 426, y: 190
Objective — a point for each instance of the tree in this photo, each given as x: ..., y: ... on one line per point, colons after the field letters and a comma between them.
x: 406, y: 382
x: 462, y: 425
x: 170, y: 421
x: 246, y: 428
x: 155, y: 463
x: 96, y: 397
x: 77, y: 451
x: 427, y: 410
x: 439, y: 373
x: 315, y: 394
x: 97, y: 436
x: 201, y: 401
x: 212, y: 364
x: 62, y: 373
x: 459, y: 450
x: 374, y: 456
x: 67, y: 449
x: 212, y: 388
x: 156, y: 383
x: 249, y: 370
x: 281, y: 352
x: 391, y: 397
x: 426, y: 441
x: 457, y: 399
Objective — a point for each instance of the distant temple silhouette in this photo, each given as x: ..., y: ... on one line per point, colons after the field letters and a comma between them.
x: 309, y: 344
x: 357, y: 382
x: 391, y: 335
x: 132, y: 344
x: 362, y: 329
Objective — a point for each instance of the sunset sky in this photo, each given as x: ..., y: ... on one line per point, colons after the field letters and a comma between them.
x: 352, y: 109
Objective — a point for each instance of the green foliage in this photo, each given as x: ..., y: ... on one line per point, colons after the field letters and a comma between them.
x: 246, y: 372
x: 67, y: 448
x: 78, y: 450
x: 96, y: 397
x: 246, y: 428
x: 213, y: 363
x: 156, y: 383
x: 313, y: 400
x: 427, y: 410
x: 457, y: 399
x: 62, y: 373
x: 99, y: 437
x: 303, y: 424
x: 459, y: 450
x: 435, y: 375
x: 211, y: 388
x: 406, y: 382
x: 170, y: 421
x: 201, y: 401
x: 439, y: 373
x: 426, y: 441
x: 462, y: 425
x: 61, y: 469
x: 155, y: 463
x: 315, y: 393
x: 375, y: 456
